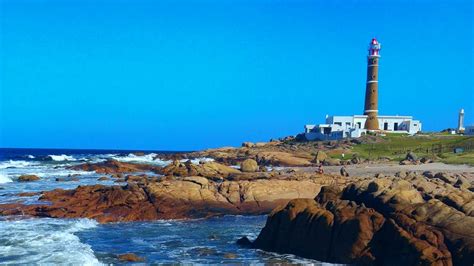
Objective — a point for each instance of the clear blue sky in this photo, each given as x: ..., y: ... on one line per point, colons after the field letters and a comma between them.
x: 183, y: 75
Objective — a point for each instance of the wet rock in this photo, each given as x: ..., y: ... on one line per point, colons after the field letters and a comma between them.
x: 28, y: 178
x: 230, y: 255
x: 130, y: 257
x: 103, y: 178
x: 249, y: 165
x: 244, y: 242
x: 116, y: 167
x: 28, y: 194
x: 68, y: 179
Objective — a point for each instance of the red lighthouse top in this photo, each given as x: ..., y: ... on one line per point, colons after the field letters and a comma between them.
x: 374, y: 48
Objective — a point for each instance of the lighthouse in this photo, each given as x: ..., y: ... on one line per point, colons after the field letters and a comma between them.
x: 461, y: 121
x: 371, y: 89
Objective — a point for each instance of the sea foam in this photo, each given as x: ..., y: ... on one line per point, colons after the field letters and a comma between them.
x: 15, y: 164
x: 62, y: 157
x: 4, y: 179
x: 45, y: 241
x: 150, y: 158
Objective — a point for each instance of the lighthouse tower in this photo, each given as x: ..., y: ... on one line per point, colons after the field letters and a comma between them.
x: 461, y: 121
x: 371, y: 91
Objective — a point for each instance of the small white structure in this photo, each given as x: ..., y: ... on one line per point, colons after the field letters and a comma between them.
x: 338, y: 127
x: 469, y: 130
x: 461, y: 121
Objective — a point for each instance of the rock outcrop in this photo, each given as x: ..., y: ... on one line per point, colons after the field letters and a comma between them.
x: 173, y: 198
x: 396, y: 221
x: 211, y: 170
x: 28, y: 178
x: 116, y: 167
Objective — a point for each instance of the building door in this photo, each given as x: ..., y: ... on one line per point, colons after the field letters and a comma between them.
x: 395, y: 126
x: 385, y: 126
x: 359, y: 124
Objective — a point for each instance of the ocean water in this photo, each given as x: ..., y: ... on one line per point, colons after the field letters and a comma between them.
x: 83, y: 241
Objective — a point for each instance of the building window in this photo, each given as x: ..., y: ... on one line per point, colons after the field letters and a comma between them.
x: 385, y: 126
x: 415, y: 125
x: 338, y: 123
x: 395, y: 126
x: 348, y: 124
x: 359, y: 124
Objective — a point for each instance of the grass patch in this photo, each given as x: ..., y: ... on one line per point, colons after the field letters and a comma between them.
x: 396, y: 146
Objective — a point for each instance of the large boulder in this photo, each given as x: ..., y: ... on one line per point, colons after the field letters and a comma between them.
x: 211, y: 170
x: 386, y: 221
x: 28, y: 178
x: 249, y: 165
x: 275, y: 158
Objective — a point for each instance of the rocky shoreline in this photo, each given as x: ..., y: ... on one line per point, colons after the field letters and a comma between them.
x: 403, y: 218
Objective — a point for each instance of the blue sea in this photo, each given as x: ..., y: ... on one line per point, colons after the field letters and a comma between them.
x: 83, y: 241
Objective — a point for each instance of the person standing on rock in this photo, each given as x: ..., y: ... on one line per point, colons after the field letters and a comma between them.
x: 344, y: 172
x: 320, y: 169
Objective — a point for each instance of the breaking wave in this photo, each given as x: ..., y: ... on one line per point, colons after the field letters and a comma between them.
x: 4, y: 179
x: 15, y: 164
x: 150, y: 158
x: 60, y: 158
x: 45, y: 241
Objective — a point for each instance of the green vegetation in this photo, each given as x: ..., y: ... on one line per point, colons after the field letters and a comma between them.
x: 436, y: 146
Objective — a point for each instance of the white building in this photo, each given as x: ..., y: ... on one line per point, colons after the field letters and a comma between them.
x: 338, y: 127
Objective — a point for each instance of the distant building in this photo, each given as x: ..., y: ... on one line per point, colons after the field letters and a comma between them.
x: 469, y: 130
x: 338, y: 127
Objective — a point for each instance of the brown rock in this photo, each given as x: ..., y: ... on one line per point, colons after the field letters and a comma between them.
x: 249, y: 165
x: 248, y: 144
x: 378, y: 221
x: 130, y: 257
x: 282, y: 159
x: 28, y: 194
x: 230, y: 255
x: 207, y: 169
x: 116, y: 167
x: 103, y: 178
x: 187, y: 197
x: 28, y: 178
